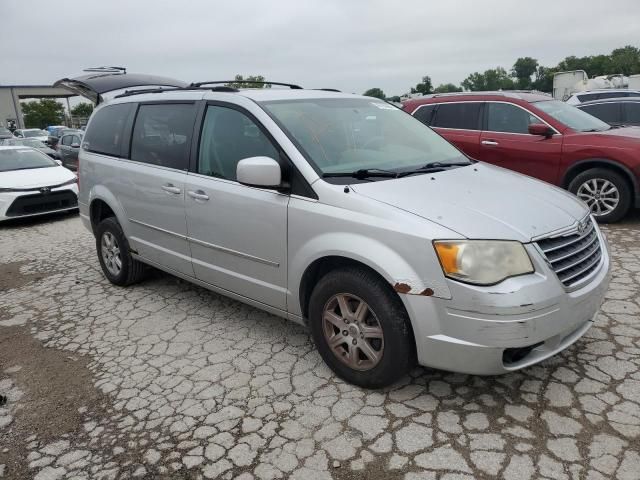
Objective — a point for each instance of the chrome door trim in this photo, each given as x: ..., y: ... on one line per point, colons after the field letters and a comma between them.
x: 233, y: 252
x: 138, y: 222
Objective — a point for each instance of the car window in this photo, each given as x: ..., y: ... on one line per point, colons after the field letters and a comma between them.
x: 229, y: 136
x: 66, y: 140
x: 24, y: 159
x: 424, y: 113
x: 632, y: 112
x: 162, y: 135
x: 107, y: 129
x: 587, y: 97
x: 457, y: 115
x: 507, y: 118
x: 607, y: 112
x: 571, y: 116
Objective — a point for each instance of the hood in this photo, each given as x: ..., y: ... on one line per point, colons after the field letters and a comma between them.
x: 35, y: 177
x: 481, y: 201
x: 627, y: 132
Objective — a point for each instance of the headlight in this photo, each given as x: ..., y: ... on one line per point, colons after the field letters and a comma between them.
x: 482, y: 262
x: 70, y: 182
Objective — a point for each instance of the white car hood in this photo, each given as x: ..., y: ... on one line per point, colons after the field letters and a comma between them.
x: 35, y: 177
x: 481, y: 201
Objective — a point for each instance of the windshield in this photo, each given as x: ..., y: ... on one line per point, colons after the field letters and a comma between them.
x: 35, y: 133
x: 349, y: 134
x: 22, y: 159
x: 572, y: 117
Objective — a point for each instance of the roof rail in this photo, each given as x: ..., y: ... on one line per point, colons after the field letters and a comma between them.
x: 328, y: 90
x: 121, y: 70
x: 231, y: 82
x: 504, y: 93
x: 128, y: 93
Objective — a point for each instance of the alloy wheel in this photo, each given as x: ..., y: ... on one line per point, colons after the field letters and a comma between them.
x: 111, y: 253
x: 601, y: 195
x: 353, y: 331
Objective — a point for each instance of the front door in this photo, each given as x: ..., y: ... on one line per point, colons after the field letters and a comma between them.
x: 237, y: 234
x: 506, y: 142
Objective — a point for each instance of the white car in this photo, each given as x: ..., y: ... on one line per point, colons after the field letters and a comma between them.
x: 34, y: 133
x: 31, y: 184
x: 589, y: 95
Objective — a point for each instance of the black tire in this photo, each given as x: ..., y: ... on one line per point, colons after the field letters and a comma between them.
x: 132, y: 270
x: 398, y: 354
x: 621, y: 183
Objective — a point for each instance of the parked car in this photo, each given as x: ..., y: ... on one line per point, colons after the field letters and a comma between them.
x: 68, y: 148
x: 53, y: 128
x: 32, y: 143
x: 34, y: 133
x: 533, y: 134
x: 54, y: 137
x: 601, y: 94
x: 31, y: 184
x: 5, y: 133
x: 615, y: 111
x: 342, y: 213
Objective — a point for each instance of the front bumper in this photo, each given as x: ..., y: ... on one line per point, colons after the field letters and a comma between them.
x: 506, y: 327
x: 32, y: 203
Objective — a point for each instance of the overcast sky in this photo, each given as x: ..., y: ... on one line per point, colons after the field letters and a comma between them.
x: 347, y: 44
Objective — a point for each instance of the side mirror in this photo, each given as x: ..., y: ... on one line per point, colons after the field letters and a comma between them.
x: 540, y: 129
x: 75, y: 145
x: 262, y: 172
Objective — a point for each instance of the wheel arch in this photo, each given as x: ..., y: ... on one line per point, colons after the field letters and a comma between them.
x: 103, y: 204
x: 587, y: 164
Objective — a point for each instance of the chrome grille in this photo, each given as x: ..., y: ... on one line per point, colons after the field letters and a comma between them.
x: 573, y: 256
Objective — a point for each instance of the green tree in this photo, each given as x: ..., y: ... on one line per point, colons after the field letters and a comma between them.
x: 248, y: 82
x: 425, y: 87
x: 544, y: 79
x: 492, y: 79
x: 523, y: 70
x: 625, y: 60
x: 395, y: 98
x: 83, y: 109
x: 375, y: 92
x: 447, y: 88
x: 42, y: 113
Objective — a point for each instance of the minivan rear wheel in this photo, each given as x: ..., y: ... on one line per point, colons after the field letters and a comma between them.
x: 606, y: 193
x: 361, y: 328
x: 116, y: 261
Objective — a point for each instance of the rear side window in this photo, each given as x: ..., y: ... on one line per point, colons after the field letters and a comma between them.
x: 632, y: 112
x: 106, y: 132
x: 507, y: 118
x: 607, y: 112
x: 66, y: 140
x: 457, y: 115
x: 424, y: 113
x: 162, y: 135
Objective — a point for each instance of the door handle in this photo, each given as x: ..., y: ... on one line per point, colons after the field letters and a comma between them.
x: 171, y: 188
x: 198, y: 195
x: 490, y: 142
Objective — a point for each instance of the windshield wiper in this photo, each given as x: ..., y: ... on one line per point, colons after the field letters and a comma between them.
x: 363, y: 173
x: 433, y: 167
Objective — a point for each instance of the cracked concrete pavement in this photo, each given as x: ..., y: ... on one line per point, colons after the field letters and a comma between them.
x: 167, y: 380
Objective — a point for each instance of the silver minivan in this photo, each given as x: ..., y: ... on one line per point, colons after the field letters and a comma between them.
x: 343, y: 213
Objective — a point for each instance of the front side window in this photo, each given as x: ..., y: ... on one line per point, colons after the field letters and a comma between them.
x: 24, y: 159
x: 162, y: 135
x: 344, y: 134
x: 425, y: 113
x: 106, y: 130
x: 607, y: 112
x: 571, y: 116
x: 229, y: 136
x: 66, y: 140
x: 507, y: 118
x: 462, y: 116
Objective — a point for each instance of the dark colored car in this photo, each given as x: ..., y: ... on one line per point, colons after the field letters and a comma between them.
x: 68, y: 148
x: 30, y: 142
x: 54, y: 136
x: 534, y: 134
x: 5, y: 133
x: 614, y: 111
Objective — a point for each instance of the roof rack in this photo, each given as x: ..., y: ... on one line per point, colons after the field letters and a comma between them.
x: 241, y: 82
x: 121, y: 70
x: 141, y: 91
x: 328, y: 90
x: 504, y: 93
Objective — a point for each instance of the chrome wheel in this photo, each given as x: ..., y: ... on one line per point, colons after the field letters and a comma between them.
x: 352, y: 331
x: 110, y: 251
x: 601, y: 195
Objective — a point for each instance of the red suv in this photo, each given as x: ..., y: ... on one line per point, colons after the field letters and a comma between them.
x: 534, y: 134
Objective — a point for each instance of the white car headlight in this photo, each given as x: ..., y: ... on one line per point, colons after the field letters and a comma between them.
x: 482, y: 262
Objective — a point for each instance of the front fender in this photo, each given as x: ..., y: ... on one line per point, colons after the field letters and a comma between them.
x: 395, y: 268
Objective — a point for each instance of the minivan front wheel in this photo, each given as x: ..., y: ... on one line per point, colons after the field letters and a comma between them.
x: 116, y: 261
x: 606, y: 193
x: 361, y: 328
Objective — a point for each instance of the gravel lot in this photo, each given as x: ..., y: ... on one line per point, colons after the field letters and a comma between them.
x: 167, y: 380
